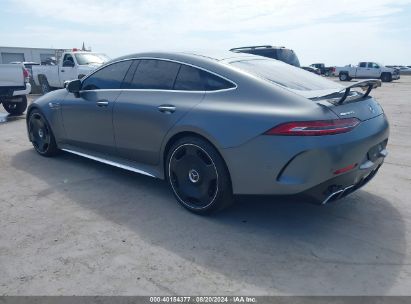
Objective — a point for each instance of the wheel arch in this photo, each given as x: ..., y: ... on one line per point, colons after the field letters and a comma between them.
x: 33, y: 107
x: 181, y: 134
x: 41, y: 76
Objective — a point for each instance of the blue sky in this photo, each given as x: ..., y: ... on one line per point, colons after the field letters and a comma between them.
x: 334, y: 32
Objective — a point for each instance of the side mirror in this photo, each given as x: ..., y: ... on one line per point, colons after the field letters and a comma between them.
x: 68, y: 63
x: 74, y: 87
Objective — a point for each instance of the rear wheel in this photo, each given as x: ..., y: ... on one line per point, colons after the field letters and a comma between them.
x: 386, y: 77
x: 344, y: 77
x: 198, y: 176
x: 41, y: 135
x: 15, y: 108
x: 45, y: 87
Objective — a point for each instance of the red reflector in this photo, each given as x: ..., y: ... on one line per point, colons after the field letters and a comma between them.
x: 25, y: 73
x: 345, y: 169
x: 315, y: 128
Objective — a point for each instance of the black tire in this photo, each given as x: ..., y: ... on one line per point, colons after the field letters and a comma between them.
x: 386, y: 77
x: 44, y: 84
x: 344, y: 77
x: 41, y: 135
x: 198, y: 176
x: 15, y: 108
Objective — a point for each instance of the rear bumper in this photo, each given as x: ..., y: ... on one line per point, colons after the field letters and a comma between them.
x: 283, y: 165
x: 341, y: 186
x: 25, y: 91
x: 15, y: 91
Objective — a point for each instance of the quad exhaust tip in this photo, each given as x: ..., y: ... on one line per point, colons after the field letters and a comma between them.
x: 336, y: 195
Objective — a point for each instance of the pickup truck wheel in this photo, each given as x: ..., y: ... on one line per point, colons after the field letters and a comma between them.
x: 386, y: 77
x: 344, y: 77
x: 15, y: 108
x: 45, y: 87
x: 41, y: 135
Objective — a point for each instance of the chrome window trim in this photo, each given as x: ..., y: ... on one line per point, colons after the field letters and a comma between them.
x: 109, y: 162
x: 161, y: 90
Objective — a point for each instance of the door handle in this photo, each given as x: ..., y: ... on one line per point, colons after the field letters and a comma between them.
x: 102, y: 103
x: 62, y: 71
x: 166, y: 108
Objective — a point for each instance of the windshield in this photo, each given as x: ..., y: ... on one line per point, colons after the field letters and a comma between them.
x: 91, y: 58
x: 286, y: 75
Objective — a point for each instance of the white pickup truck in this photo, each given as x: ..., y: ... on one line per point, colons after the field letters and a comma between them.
x: 369, y: 70
x: 68, y: 66
x: 14, y: 86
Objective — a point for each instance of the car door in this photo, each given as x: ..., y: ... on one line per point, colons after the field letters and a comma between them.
x: 159, y: 94
x: 362, y: 70
x: 68, y: 69
x: 87, y: 118
x: 374, y: 70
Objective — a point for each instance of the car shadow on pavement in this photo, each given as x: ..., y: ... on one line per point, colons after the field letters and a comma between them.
x: 355, y: 246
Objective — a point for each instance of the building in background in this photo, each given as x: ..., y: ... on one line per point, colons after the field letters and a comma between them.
x: 38, y: 55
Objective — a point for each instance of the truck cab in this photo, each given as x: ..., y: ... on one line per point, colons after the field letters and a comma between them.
x: 368, y: 70
x: 69, y: 65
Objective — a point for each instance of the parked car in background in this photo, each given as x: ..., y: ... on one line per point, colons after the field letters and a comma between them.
x: 68, y: 65
x: 404, y: 69
x: 275, y: 52
x: 312, y: 70
x: 370, y: 70
x: 218, y: 125
x: 326, y: 71
x: 14, y: 86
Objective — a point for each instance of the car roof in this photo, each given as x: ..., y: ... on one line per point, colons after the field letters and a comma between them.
x: 190, y: 57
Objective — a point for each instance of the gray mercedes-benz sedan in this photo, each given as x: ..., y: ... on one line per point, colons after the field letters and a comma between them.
x: 215, y: 126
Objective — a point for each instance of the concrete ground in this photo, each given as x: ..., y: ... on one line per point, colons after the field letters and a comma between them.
x: 71, y: 226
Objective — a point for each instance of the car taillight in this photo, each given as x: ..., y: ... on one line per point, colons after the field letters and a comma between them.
x: 315, y: 128
x: 26, y: 75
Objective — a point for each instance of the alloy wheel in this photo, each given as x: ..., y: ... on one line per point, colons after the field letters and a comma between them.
x: 39, y: 133
x: 193, y: 176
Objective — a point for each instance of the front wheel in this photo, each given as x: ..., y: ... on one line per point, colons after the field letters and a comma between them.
x: 41, y: 135
x: 15, y: 108
x: 198, y: 176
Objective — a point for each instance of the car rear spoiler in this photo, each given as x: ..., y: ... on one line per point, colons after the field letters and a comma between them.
x: 367, y: 84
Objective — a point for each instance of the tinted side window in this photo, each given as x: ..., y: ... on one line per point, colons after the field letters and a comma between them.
x: 193, y: 79
x: 213, y: 82
x: 189, y: 79
x: 155, y: 74
x: 373, y: 65
x: 363, y: 64
x: 109, y: 77
x: 68, y: 57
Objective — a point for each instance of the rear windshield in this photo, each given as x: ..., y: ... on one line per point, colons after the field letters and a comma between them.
x: 285, y: 75
x: 288, y: 56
